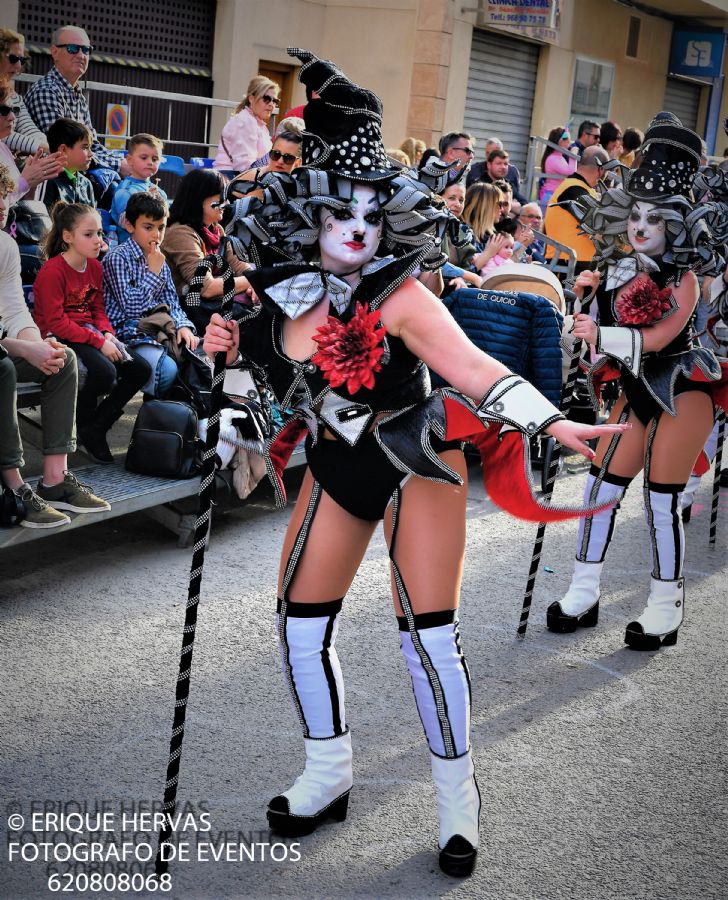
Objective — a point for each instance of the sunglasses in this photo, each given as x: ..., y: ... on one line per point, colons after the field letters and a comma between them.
x: 465, y: 150
x: 593, y: 133
x: 6, y: 110
x: 266, y: 98
x: 13, y: 59
x: 73, y: 49
x: 288, y: 158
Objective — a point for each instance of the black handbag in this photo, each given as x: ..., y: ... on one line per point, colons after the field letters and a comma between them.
x: 29, y: 221
x: 194, y: 382
x: 164, y: 441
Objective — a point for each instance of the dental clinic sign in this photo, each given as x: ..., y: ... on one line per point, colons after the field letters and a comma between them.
x: 537, y: 19
x: 698, y: 54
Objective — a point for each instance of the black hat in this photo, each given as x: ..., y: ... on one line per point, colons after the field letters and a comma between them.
x: 669, y: 160
x: 344, y: 127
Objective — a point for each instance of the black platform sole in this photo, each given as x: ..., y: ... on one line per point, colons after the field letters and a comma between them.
x: 561, y: 623
x: 287, y: 824
x: 638, y: 640
x: 457, y: 858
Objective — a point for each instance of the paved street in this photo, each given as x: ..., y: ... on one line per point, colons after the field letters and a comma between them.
x: 602, y: 770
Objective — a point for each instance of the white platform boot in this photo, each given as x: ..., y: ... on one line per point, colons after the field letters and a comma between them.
x: 320, y: 793
x: 580, y: 605
x: 657, y: 626
x: 458, y: 810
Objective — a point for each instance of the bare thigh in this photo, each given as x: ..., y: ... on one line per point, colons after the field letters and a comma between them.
x: 628, y: 456
x: 429, y: 544
x: 679, y: 439
x: 332, y: 553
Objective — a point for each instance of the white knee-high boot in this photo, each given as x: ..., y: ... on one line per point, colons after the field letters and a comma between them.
x: 580, y: 605
x: 441, y: 684
x: 307, y: 633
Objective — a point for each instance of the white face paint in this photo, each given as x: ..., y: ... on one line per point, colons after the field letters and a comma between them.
x: 646, y: 229
x: 348, y: 238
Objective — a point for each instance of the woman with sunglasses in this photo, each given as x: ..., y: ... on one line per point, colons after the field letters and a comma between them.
x: 555, y: 163
x: 285, y: 155
x: 37, y: 168
x: 26, y: 137
x: 245, y: 139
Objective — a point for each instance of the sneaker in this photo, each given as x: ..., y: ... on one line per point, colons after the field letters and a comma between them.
x: 72, y: 495
x: 38, y: 514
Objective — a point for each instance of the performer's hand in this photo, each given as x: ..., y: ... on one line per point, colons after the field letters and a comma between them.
x: 221, y: 336
x: 586, y: 283
x: 585, y: 328
x: 575, y: 435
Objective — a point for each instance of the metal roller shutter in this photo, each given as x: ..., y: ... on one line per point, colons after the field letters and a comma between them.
x: 499, y: 99
x: 683, y: 99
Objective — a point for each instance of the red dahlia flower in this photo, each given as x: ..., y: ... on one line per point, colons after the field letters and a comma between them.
x: 642, y: 303
x: 349, y: 352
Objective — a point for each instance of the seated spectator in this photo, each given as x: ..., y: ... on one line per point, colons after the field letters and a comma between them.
x: 555, y: 163
x: 193, y: 233
x: 610, y: 137
x: 57, y: 95
x: 73, y: 140
x: 143, y: 156
x: 69, y: 304
x: 505, y: 204
x: 137, y: 280
x: 52, y: 366
x: 631, y: 142
x: 413, y: 148
x: 245, y: 139
x: 26, y: 138
x: 459, y: 256
x: 481, y: 212
x: 530, y: 219
x: 505, y: 249
x: 37, y: 168
x: 456, y: 149
x: 285, y: 156
x: 495, y: 167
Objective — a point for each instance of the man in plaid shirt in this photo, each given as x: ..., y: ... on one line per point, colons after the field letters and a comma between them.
x: 57, y: 95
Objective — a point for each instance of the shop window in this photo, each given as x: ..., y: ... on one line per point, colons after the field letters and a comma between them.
x: 592, y: 92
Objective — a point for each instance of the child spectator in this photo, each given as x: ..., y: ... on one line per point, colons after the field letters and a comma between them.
x: 69, y: 304
x: 137, y: 279
x: 73, y: 140
x: 143, y: 158
x: 503, y: 256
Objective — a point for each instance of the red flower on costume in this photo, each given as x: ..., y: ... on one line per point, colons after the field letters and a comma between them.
x: 643, y: 303
x: 349, y: 352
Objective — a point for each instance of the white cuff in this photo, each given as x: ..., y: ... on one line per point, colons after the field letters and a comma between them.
x: 622, y: 344
x: 516, y: 402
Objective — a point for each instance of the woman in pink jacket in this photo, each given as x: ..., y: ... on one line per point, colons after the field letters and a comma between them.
x: 555, y: 163
x: 245, y: 139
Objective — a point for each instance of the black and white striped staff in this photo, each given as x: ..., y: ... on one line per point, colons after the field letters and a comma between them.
x: 202, y: 531
x: 567, y: 395
x: 716, y: 477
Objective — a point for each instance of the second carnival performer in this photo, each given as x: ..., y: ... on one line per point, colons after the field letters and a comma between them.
x: 343, y: 338
x: 651, y: 239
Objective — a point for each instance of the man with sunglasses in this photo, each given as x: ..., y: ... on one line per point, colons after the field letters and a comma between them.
x: 588, y: 136
x: 58, y: 94
x: 456, y: 148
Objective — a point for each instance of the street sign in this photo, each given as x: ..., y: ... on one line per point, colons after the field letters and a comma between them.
x: 117, y: 125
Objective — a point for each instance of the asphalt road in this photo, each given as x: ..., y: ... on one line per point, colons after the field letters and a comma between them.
x: 602, y: 770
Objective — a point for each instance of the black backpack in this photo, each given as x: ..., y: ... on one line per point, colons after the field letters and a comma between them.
x: 164, y: 441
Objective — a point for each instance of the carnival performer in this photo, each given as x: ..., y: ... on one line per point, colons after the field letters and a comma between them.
x: 647, y: 297
x: 342, y: 334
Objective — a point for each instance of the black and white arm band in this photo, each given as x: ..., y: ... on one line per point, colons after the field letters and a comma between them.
x: 516, y: 402
x: 622, y: 344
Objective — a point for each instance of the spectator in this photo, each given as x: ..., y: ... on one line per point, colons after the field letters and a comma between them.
x: 136, y: 280
x: 587, y: 136
x: 53, y: 366
x: 285, y: 156
x: 461, y: 255
x: 505, y: 250
x: 505, y: 204
x: 495, y: 167
x: 25, y: 138
x: 194, y: 231
x: 555, y: 163
x: 73, y: 140
x: 399, y: 156
x: 58, y: 94
x: 69, y: 303
x: 530, y: 219
x: 610, y: 137
x: 631, y: 143
x: 481, y: 212
x: 456, y: 149
x: 414, y: 149
x: 563, y: 213
x: 36, y: 169
x: 245, y: 139
x: 143, y: 156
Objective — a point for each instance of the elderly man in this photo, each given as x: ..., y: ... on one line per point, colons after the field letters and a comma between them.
x: 530, y: 219
x: 562, y: 214
x: 497, y: 166
x: 58, y: 93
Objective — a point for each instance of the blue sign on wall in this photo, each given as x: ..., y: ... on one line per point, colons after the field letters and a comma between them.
x: 697, y: 53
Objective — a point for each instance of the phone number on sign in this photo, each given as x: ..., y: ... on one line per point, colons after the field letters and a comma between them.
x: 80, y: 882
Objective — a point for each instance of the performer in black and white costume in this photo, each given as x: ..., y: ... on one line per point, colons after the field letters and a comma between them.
x: 340, y: 335
x: 647, y: 297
